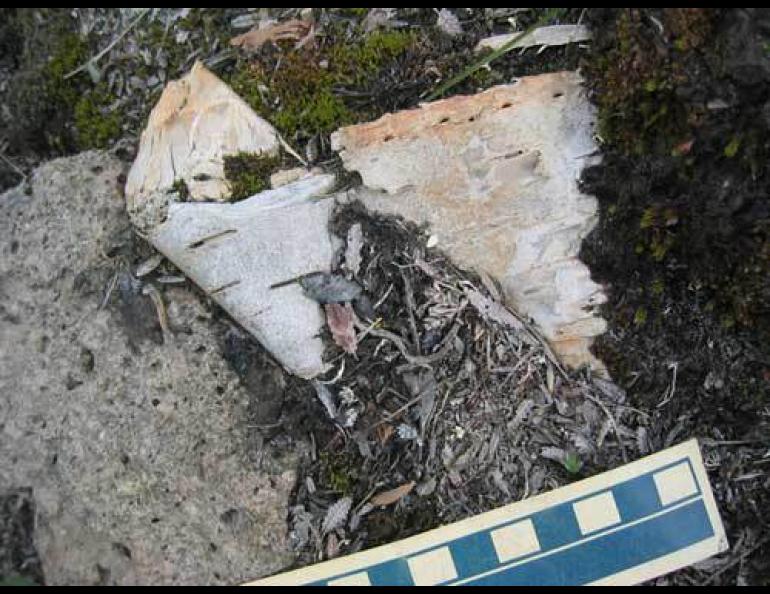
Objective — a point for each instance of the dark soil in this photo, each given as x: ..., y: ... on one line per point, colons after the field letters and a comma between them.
x: 682, y: 245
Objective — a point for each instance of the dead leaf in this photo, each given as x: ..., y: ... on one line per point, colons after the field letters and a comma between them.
x: 683, y: 148
x: 336, y: 515
x: 292, y: 30
x: 340, y: 321
x: 384, y: 433
x: 448, y: 23
x: 329, y: 288
x: 390, y: 497
x: 332, y: 546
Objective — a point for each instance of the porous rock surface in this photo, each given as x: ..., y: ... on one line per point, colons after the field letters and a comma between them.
x: 136, y: 448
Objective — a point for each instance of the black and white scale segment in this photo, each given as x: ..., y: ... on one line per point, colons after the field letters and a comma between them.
x: 625, y: 526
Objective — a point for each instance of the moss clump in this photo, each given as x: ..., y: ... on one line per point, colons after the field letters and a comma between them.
x: 50, y: 113
x: 95, y: 124
x: 72, y: 51
x: 302, y: 93
x: 249, y: 173
x: 338, y: 471
x: 88, y: 119
x: 640, y: 316
x: 180, y: 187
x: 640, y: 70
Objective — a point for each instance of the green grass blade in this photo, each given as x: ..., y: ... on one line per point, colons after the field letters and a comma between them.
x: 544, y: 18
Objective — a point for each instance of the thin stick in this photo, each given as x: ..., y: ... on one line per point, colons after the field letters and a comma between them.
x: 13, y: 166
x: 613, y: 423
x: 112, y: 44
x: 742, y: 557
x: 287, y: 147
x: 446, y: 344
x: 410, y: 306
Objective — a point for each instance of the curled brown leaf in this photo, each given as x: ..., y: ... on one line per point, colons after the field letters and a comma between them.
x: 390, y: 497
x: 292, y: 30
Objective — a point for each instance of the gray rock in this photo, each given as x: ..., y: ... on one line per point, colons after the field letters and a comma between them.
x: 136, y: 449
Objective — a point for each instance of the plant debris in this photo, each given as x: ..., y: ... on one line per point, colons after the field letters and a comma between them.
x: 542, y: 37
x: 451, y: 406
x: 329, y: 288
x: 387, y: 498
x: 337, y: 515
x: 291, y: 30
x: 340, y: 321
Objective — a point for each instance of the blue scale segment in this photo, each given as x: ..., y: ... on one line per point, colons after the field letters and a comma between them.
x: 566, y: 556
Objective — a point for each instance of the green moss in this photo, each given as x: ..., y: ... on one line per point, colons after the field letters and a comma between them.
x: 640, y: 111
x: 660, y: 246
x: 249, y: 173
x: 59, y: 96
x: 338, y: 471
x: 50, y: 113
x: 354, y: 12
x: 369, y: 56
x: 180, y: 187
x: 732, y: 147
x: 640, y: 316
x: 95, y: 124
x: 17, y: 580
x: 648, y: 218
x: 72, y: 51
x: 301, y: 93
x: 86, y: 107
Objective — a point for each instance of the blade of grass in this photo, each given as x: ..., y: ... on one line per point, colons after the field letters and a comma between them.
x: 544, y: 18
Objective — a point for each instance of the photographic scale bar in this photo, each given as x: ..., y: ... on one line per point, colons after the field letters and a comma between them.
x: 622, y: 527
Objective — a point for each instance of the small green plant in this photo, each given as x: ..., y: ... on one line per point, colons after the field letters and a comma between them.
x: 572, y: 463
x: 732, y: 147
x: 93, y: 121
x: 640, y: 316
x: 648, y: 218
x: 338, y: 472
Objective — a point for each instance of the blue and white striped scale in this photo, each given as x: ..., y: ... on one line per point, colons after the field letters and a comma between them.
x: 622, y: 527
